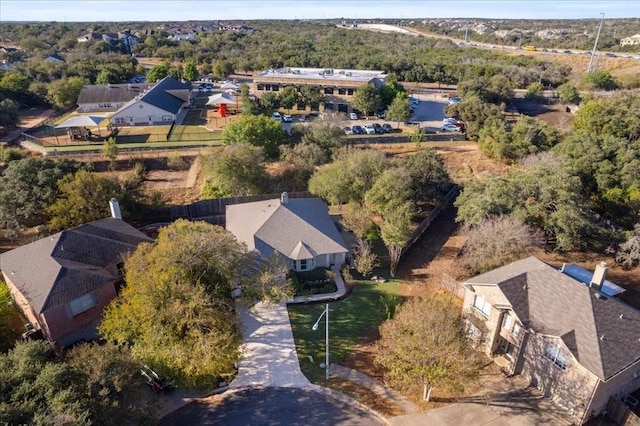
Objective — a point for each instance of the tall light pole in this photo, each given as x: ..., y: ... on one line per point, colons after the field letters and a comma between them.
x: 595, y: 45
x: 326, y: 343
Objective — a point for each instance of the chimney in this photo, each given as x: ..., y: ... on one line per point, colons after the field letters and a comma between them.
x: 115, y: 209
x: 599, y: 275
x: 284, y: 198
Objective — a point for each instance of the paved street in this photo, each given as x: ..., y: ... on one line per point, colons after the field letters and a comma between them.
x: 272, y: 406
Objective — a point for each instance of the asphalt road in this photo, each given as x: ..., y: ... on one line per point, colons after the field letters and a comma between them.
x: 271, y: 406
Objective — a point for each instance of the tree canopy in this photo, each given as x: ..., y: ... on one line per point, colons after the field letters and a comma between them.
x: 256, y: 130
x: 237, y: 170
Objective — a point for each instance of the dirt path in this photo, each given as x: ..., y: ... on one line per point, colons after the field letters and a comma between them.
x: 423, y: 266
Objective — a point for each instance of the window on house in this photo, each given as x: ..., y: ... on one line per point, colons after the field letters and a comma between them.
x: 275, y: 88
x: 342, y: 91
x: 328, y: 90
x: 507, y: 322
x: 553, y: 353
x: 260, y: 87
x: 82, y: 304
x: 516, y: 329
x: 350, y: 92
x: 482, y: 305
x: 303, y: 265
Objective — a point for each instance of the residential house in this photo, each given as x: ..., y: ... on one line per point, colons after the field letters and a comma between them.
x: 90, y: 37
x: 299, y: 229
x: 573, y: 339
x: 630, y: 41
x: 163, y: 103
x: 183, y: 37
x: 54, y: 57
x: 336, y: 85
x: 108, y: 97
x: 63, y: 282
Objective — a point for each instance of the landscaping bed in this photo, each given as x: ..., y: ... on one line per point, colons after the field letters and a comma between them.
x: 317, y: 281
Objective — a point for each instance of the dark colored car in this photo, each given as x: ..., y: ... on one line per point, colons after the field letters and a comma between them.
x: 387, y: 128
x: 357, y: 130
x: 378, y: 128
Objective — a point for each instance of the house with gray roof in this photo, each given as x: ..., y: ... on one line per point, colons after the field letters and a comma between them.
x: 299, y: 229
x: 108, y: 97
x: 162, y: 103
x: 63, y: 282
x: 573, y: 340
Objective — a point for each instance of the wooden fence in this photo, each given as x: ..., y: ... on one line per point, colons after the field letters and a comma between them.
x: 453, y: 286
x: 453, y: 192
x: 212, y: 211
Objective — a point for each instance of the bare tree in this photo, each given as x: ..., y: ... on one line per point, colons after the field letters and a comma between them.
x: 628, y: 255
x: 495, y: 241
x: 364, y: 257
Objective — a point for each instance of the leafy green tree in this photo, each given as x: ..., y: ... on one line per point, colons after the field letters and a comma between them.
x: 236, y: 171
x: 349, y: 177
x: 310, y: 95
x: 9, y: 117
x: 64, y: 93
x: 270, y: 101
x: 222, y: 68
x: 428, y: 176
x: 390, y: 189
x: 395, y: 231
x: 110, y: 151
x: 176, y: 311
x: 247, y: 104
x: 494, y: 90
x: 618, y: 116
x: 288, y: 97
x: 303, y: 158
x: 157, y: 72
x: 600, y: 80
x: 475, y: 114
x: 567, y: 92
x: 534, y: 91
x: 8, y: 316
x: 107, y: 76
x: 84, y: 197
x: 400, y: 109
x: 36, y: 389
x: 12, y: 83
x: 256, y: 130
x: 190, y: 70
x: 366, y: 99
x: 27, y: 187
x: 424, y: 347
x: 326, y: 132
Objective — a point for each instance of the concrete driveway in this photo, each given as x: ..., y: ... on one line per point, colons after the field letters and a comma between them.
x: 508, y: 402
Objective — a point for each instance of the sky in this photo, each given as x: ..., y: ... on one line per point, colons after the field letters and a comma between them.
x: 161, y: 10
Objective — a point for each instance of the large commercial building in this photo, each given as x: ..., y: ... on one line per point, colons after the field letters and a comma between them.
x: 336, y: 85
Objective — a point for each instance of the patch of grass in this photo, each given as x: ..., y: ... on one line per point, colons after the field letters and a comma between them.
x: 350, y: 319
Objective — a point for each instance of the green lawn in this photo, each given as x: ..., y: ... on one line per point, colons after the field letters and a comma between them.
x: 358, y: 315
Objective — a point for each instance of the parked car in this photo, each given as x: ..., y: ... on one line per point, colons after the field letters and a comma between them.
x: 287, y: 118
x: 369, y: 129
x: 455, y: 100
x: 381, y: 114
x: 277, y: 116
x: 414, y: 101
x: 449, y: 128
x: 357, y: 130
x: 353, y: 116
x: 387, y: 128
x: 610, y: 55
x: 378, y: 128
x: 348, y: 131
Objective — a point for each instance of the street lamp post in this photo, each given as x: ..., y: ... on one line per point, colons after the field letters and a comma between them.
x: 326, y: 343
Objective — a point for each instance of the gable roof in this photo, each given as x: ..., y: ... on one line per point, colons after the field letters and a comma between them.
x: 301, y: 228
x: 64, y: 266
x: 110, y: 93
x: 600, y: 331
x: 167, y: 94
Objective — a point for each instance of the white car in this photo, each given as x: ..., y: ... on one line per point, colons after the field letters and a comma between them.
x: 287, y: 118
x: 449, y: 128
x: 277, y: 116
x: 353, y: 116
x: 369, y: 129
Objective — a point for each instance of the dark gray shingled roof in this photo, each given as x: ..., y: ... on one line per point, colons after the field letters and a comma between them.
x: 166, y: 94
x: 602, y: 333
x: 110, y: 93
x: 57, y: 269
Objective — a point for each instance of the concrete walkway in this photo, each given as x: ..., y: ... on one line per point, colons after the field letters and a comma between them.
x: 269, y: 356
x: 374, y: 386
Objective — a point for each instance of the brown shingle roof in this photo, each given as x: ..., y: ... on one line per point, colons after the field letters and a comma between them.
x: 57, y: 269
x: 602, y: 333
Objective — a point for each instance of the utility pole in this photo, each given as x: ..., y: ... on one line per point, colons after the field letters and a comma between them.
x: 595, y: 45
x: 466, y: 31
